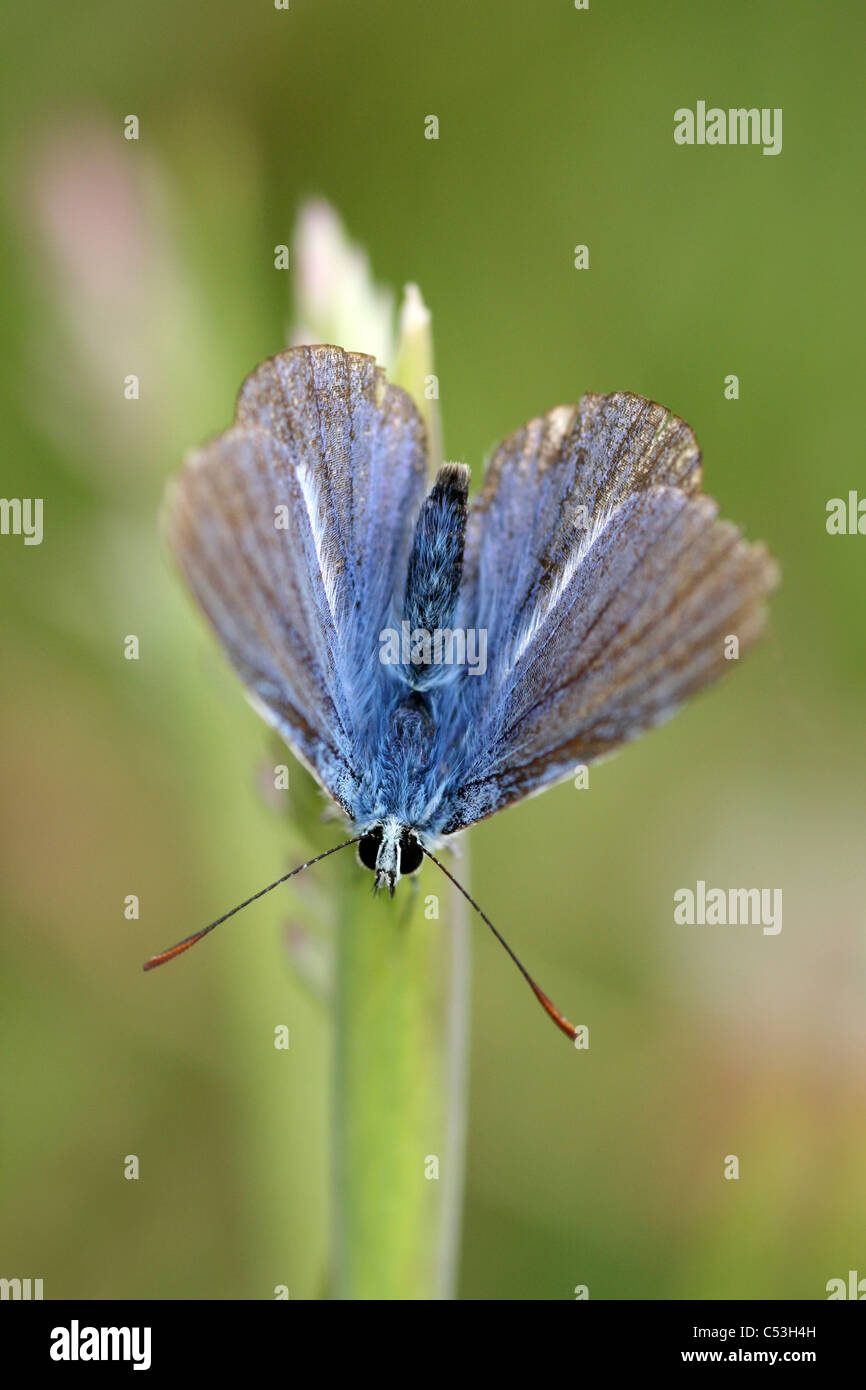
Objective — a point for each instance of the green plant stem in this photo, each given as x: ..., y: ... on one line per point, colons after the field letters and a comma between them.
x: 401, y: 1010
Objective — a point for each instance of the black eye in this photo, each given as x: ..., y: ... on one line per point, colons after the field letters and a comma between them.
x: 411, y: 855
x: 368, y: 848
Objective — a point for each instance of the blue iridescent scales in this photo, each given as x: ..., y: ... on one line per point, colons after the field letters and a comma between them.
x: 603, y: 584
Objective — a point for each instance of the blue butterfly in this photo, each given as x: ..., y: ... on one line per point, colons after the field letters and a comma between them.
x: 597, y: 573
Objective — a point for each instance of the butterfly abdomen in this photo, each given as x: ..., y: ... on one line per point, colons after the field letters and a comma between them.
x: 436, y: 561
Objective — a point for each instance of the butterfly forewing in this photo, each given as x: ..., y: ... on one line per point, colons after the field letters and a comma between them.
x: 623, y: 608
x: 293, y: 532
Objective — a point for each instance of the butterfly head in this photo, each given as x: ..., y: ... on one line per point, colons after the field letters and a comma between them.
x: 392, y: 851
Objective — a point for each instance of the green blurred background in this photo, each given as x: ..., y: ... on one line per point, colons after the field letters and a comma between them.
x: 119, y: 777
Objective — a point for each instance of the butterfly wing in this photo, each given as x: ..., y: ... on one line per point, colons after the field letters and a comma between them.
x: 607, y: 588
x: 293, y: 532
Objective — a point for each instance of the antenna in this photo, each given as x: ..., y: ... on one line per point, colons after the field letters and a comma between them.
x: 188, y: 941
x: 549, y: 1008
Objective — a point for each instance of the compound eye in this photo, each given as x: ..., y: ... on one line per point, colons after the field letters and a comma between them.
x: 368, y: 848
x: 411, y: 855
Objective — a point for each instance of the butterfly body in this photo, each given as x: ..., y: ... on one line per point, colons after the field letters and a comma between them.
x: 408, y: 755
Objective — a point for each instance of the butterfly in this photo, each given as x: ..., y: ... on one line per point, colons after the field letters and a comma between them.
x: 597, y: 572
